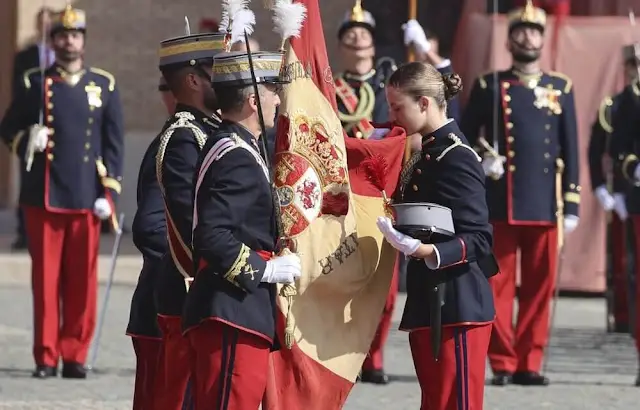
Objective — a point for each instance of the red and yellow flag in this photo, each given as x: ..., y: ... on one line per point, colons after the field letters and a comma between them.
x: 330, y: 192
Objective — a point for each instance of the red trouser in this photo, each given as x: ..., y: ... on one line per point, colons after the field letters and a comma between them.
x: 636, y: 230
x: 64, y: 270
x: 147, y: 351
x: 229, y: 367
x: 456, y: 380
x: 174, y: 365
x: 620, y: 283
x: 374, y: 360
x: 538, y: 247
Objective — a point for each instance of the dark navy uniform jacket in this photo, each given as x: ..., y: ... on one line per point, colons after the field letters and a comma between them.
x: 235, y: 221
x: 176, y: 161
x: 364, y: 97
x: 84, y: 155
x: 448, y: 173
x: 599, y: 146
x: 536, y: 124
x: 149, y: 230
x: 625, y: 142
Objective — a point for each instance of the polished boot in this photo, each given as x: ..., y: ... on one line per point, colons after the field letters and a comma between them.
x: 73, y: 371
x: 375, y: 376
x: 43, y: 372
x: 501, y: 378
x: 530, y: 379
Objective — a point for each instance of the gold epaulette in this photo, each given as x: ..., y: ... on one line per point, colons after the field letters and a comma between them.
x: 107, y: 75
x: 26, y: 76
x: 483, y: 78
x: 605, y: 106
x: 562, y: 76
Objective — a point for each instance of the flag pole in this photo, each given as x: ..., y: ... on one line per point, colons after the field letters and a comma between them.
x: 413, y: 15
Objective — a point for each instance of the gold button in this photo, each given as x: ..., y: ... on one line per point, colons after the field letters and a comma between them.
x: 91, y: 108
x: 549, y: 113
x: 507, y: 98
x: 506, y: 85
x: 87, y: 145
x: 572, y: 186
x: 415, y: 187
x: 546, y: 170
x: 51, y: 131
x: 427, y: 157
x: 50, y: 156
x: 51, y: 144
x: 578, y: 188
x: 508, y: 111
x: 512, y: 168
x: 547, y: 141
x: 512, y: 154
x: 49, y: 81
x: 88, y: 133
x: 510, y: 140
x: 358, y: 134
x: 49, y: 93
x: 509, y: 125
x: 90, y: 120
x: 49, y: 118
x: 547, y: 126
x: 547, y: 155
x: 50, y: 106
x: 85, y: 159
x: 418, y: 171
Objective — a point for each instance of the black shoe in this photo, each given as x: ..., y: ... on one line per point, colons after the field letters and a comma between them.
x: 621, y: 328
x: 530, y: 379
x: 20, y: 244
x: 377, y: 376
x: 501, y: 378
x: 73, y: 371
x: 43, y: 372
x: 638, y: 380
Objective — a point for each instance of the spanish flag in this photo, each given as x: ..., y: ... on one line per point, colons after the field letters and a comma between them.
x: 331, y: 190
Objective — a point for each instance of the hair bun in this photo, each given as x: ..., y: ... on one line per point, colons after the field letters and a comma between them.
x: 452, y: 85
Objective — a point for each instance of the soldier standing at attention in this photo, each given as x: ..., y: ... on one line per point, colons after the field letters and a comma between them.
x: 534, y: 132
x: 610, y: 188
x: 230, y: 312
x: 149, y: 231
x: 185, y: 63
x: 74, y: 158
x: 625, y: 149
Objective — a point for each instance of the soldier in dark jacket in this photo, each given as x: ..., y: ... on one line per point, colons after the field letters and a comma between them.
x: 185, y: 63
x: 446, y: 171
x: 610, y: 188
x: 530, y: 136
x: 73, y: 152
x: 625, y: 149
x: 230, y: 311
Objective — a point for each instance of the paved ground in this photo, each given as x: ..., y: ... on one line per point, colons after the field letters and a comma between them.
x: 591, y: 370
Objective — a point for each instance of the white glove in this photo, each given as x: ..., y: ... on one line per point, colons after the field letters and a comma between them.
x: 38, y: 137
x: 636, y: 173
x: 282, y: 269
x: 102, y: 208
x: 604, y: 197
x: 620, y: 206
x: 398, y: 240
x: 492, y: 166
x: 570, y: 223
x: 414, y: 33
x: 378, y: 133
